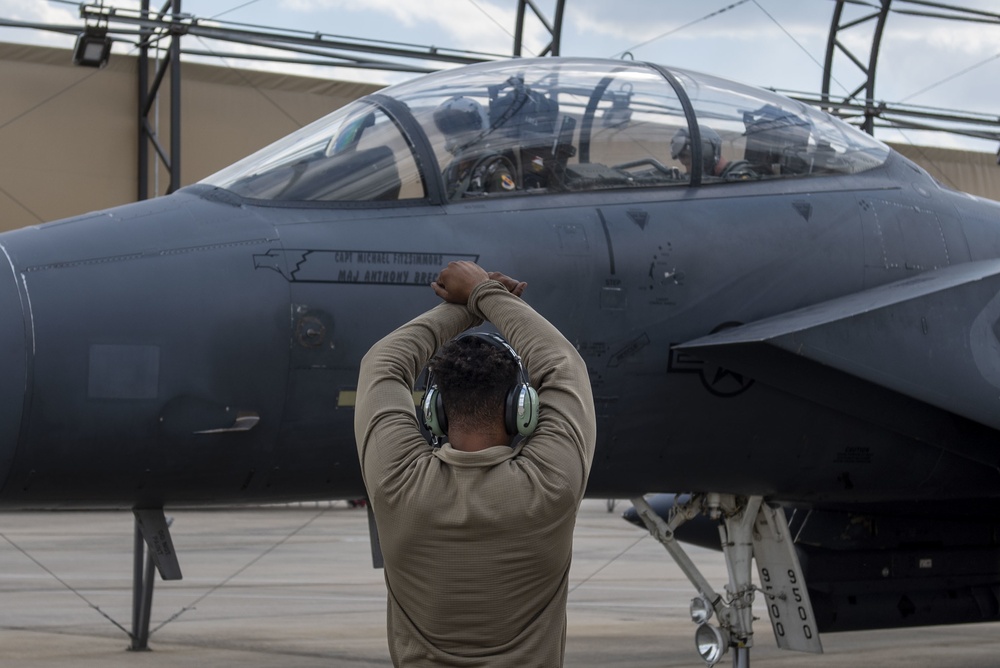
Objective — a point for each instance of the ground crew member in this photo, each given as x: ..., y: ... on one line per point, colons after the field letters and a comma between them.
x: 476, y: 535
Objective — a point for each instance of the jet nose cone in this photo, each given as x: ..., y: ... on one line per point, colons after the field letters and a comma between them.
x: 13, y: 364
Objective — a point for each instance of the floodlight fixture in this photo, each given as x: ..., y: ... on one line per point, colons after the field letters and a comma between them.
x: 93, y: 47
x: 701, y: 609
x: 711, y: 644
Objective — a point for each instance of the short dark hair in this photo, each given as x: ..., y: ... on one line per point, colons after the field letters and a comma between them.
x: 473, y: 378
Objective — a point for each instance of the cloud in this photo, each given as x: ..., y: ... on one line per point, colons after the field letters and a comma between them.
x: 477, y: 25
x: 48, y: 13
x: 744, y: 43
x: 41, y: 12
x: 969, y: 39
x: 32, y: 11
x: 38, y: 11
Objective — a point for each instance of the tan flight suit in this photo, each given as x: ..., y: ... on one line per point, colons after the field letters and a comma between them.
x: 477, y: 545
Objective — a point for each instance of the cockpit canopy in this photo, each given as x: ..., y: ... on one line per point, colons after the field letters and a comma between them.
x: 549, y: 125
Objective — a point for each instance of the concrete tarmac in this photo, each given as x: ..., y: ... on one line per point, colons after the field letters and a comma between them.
x: 294, y: 587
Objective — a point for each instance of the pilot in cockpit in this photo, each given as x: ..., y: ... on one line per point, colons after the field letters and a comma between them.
x: 713, y: 164
x: 475, y: 169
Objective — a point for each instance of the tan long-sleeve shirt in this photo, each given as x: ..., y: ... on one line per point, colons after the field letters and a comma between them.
x: 477, y: 545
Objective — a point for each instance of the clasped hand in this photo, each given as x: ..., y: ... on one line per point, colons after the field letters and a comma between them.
x: 456, y: 282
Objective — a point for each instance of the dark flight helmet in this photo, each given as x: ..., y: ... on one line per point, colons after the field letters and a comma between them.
x: 457, y: 117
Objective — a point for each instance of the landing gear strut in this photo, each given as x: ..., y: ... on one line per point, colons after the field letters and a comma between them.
x: 749, y: 529
x: 153, y: 548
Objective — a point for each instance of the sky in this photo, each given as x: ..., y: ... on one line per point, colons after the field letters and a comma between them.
x: 777, y: 44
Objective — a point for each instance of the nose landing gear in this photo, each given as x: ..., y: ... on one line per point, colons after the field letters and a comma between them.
x: 749, y: 530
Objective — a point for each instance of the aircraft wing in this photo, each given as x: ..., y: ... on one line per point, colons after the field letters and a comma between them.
x: 933, y: 338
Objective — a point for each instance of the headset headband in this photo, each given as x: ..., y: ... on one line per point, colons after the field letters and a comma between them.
x: 497, y: 341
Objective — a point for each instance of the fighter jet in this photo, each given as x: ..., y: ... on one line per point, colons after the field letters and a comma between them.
x: 780, y: 315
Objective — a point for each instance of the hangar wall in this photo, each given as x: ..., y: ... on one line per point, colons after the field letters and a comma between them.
x: 68, y: 136
x: 969, y: 171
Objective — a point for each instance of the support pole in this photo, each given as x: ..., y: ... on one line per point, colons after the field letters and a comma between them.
x: 175, y: 105
x: 142, y: 185
x: 148, y: 93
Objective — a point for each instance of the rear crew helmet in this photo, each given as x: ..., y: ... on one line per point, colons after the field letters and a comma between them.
x: 711, y: 146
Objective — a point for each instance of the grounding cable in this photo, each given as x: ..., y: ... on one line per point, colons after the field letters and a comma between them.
x: 608, y: 563
x: 240, y: 570
x: 678, y: 28
x: 64, y: 583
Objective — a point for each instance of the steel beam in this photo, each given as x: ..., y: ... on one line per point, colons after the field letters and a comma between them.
x: 553, y: 27
x: 183, y: 24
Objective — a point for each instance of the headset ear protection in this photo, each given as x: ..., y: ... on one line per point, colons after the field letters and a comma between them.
x: 520, y: 404
x: 433, y: 409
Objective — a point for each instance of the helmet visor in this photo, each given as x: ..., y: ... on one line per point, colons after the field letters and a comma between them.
x: 678, y: 143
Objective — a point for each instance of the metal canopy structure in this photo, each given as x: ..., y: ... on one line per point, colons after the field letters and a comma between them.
x: 148, y: 29
x: 834, y: 45
x: 333, y: 50
x: 554, y: 27
x: 860, y: 105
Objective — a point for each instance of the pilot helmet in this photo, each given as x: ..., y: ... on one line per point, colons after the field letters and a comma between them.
x: 457, y: 118
x: 711, y: 146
